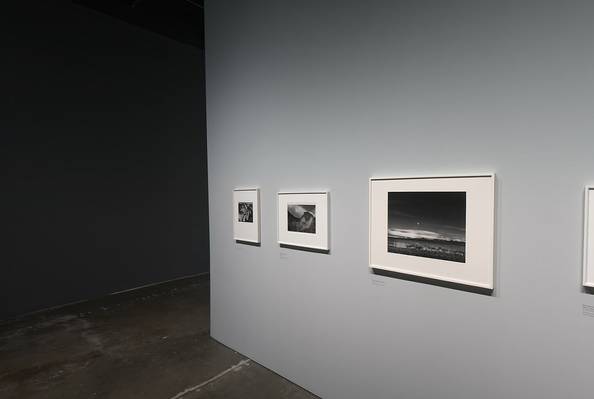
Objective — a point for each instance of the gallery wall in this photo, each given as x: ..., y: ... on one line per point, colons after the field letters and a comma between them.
x: 104, y: 145
x: 314, y: 95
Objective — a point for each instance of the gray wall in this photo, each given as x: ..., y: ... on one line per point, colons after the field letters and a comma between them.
x: 103, y: 143
x: 323, y: 95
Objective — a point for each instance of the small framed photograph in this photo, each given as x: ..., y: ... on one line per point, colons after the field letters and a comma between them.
x: 246, y: 215
x: 303, y: 220
x: 589, y: 237
x: 440, y: 228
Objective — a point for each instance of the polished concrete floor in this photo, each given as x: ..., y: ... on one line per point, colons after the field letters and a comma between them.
x: 151, y: 343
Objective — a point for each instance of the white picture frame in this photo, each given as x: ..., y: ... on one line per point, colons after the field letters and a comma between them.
x: 425, y: 227
x: 246, y: 215
x: 588, y: 267
x: 296, y: 213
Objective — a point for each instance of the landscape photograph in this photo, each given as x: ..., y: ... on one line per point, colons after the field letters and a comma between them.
x: 428, y: 224
x: 246, y: 212
x: 301, y: 218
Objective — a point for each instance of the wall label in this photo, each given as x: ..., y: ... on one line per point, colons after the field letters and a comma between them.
x: 588, y: 310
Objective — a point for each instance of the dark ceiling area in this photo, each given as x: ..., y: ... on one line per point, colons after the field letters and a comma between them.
x: 181, y: 20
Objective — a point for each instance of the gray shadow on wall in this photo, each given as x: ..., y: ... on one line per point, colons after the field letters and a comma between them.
x: 253, y: 244
x: 315, y: 250
x: 497, y: 234
x: 430, y: 281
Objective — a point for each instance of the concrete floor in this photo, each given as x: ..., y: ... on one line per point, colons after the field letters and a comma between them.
x: 152, y: 343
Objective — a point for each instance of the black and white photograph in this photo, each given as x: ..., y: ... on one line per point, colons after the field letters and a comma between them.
x: 438, y: 228
x: 246, y: 212
x: 301, y: 218
x: 246, y: 215
x: 428, y: 224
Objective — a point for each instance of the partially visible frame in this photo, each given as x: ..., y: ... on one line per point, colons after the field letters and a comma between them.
x: 408, y: 236
x: 588, y: 277
x: 246, y: 215
x: 303, y: 219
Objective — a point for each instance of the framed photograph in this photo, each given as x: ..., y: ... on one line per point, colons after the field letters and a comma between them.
x: 439, y: 228
x: 303, y: 220
x: 589, y: 237
x: 246, y: 215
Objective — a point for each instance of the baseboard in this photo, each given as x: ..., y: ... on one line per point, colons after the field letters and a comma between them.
x: 114, y: 296
x: 204, y: 275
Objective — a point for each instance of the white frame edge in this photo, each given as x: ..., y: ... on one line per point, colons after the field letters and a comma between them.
x: 247, y: 189
x: 448, y: 176
x: 428, y: 275
x: 585, y: 281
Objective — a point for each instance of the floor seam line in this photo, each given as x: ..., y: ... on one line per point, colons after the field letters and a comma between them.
x: 243, y: 362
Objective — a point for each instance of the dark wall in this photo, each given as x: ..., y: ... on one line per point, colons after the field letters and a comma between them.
x: 103, y: 138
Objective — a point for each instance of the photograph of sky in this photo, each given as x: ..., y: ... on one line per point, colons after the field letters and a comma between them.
x: 428, y: 224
